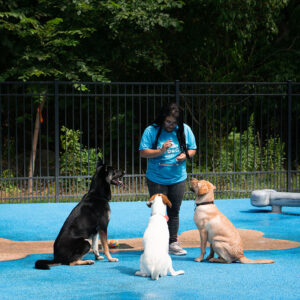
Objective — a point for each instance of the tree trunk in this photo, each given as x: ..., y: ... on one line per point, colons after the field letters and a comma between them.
x: 34, y: 144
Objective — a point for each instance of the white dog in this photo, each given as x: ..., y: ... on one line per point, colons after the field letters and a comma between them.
x: 156, y: 261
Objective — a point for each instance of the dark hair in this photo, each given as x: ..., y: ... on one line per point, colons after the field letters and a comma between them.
x: 171, y: 110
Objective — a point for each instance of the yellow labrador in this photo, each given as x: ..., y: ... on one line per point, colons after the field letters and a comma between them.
x: 215, y: 228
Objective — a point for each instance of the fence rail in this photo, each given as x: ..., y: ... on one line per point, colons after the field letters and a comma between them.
x: 52, y: 133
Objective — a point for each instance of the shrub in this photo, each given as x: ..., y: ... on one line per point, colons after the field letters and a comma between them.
x: 76, y: 159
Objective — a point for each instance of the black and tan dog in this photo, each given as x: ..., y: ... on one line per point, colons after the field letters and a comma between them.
x: 89, y: 218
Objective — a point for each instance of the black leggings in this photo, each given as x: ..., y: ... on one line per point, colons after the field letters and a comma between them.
x: 175, y: 194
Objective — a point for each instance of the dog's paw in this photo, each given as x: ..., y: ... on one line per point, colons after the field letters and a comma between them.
x: 99, y: 257
x: 216, y: 260
x: 180, y: 272
x: 113, y: 259
x: 198, y: 259
x: 89, y: 262
x: 140, y: 273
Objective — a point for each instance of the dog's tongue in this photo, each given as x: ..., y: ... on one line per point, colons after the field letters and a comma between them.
x: 118, y: 182
x: 166, y: 217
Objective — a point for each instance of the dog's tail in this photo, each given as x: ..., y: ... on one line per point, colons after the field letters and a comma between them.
x: 45, y: 264
x: 245, y: 260
x: 154, y: 273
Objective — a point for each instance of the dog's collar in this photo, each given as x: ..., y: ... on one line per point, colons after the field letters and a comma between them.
x: 203, y: 203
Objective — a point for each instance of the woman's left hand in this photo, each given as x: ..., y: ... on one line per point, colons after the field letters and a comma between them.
x: 181, y: 157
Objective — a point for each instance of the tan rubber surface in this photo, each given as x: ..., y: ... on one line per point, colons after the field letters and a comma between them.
x: 252, y: 240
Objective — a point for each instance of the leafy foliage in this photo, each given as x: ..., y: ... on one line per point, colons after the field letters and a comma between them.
x: 76, y: 159
x: 147, y: 40
x: 240, y: 152
x: 8, y: 186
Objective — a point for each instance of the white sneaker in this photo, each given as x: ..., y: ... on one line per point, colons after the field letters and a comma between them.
x: 175, y: 249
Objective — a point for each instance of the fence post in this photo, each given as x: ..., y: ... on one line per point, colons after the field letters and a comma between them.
x: 177, y: 92
x: 56, y: 113
x: 289, y: 146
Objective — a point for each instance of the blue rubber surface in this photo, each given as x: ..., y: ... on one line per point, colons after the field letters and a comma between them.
x: 104, y: 280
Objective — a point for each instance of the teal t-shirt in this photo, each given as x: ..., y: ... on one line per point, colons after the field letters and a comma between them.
x: 165, y: 169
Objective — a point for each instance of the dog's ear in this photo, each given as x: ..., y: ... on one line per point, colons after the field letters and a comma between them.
x: 166, y: 200
x: 210, y: 185
x: 99, y: 162
x: 203, y: 188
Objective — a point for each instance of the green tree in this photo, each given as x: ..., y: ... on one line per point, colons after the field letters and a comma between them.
x: 148, y: 40
x: 231, y: 40
x: 42, y: 40
x: 81, y: 39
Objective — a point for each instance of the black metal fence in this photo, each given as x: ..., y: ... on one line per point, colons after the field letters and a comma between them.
x: 53, y: 132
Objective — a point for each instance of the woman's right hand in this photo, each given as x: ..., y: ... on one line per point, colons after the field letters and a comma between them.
x: 166, y: 145
x: 152, y: 153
